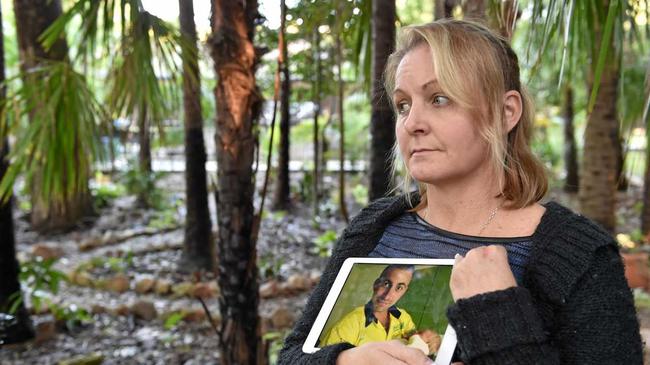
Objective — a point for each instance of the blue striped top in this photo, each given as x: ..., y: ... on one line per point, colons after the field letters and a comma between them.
x: 411, y: 236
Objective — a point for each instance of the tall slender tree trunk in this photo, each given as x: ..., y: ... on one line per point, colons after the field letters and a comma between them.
x: 621, y: 180
x: 238, y: 105
x: 21, y: 328
x: 316, y: 101
x: 281, y: 196
x: 474, y: 10
x: 32, y: 18
x: 382, y: 118
x: 339, y: 65
x: 571, y: 183
x: 597, y: 195
x: 645, y: 212
x: 198, y: 252
x: 443, y: 9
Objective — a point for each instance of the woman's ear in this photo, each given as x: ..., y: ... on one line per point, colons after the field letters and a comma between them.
x: 512, y: 107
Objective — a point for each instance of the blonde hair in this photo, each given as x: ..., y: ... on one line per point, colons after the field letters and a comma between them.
x: 475, y: 68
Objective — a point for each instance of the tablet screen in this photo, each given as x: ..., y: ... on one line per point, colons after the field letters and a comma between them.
x: 376, y: 300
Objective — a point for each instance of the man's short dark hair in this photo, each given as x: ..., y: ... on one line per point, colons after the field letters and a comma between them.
x: 408, y: 267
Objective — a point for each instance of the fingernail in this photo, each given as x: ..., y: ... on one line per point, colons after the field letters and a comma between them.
x: 457, y: 256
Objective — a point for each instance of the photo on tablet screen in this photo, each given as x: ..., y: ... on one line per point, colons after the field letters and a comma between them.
x: 375, y: 300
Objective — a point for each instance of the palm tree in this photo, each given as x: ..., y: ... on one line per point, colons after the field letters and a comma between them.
x: 281, y: 197
x: 593, y: 33
x: 238, y: 106
x: 142, y: 72
x: 19, y: 328
x: 62, y: 212
x: 198, y: 250
x: 382, y: 120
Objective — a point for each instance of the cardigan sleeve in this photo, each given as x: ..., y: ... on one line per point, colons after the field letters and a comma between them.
x: 596, y: 324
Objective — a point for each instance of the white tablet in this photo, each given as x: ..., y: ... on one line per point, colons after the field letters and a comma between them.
x: 380, y: 299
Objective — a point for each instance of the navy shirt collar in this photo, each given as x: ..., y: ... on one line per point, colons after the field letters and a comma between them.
x: 370, y: 316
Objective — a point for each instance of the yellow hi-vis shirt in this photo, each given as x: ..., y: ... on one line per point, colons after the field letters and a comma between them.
x: 353, y: 329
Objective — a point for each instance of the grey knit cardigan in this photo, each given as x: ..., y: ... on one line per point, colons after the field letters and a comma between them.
x: 574, y: 306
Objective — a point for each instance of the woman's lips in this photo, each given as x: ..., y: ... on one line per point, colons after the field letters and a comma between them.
x: 422, y: 151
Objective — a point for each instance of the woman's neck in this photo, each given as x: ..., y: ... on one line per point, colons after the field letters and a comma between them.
x: 463, y: 206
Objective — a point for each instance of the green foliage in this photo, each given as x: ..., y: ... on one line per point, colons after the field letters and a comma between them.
x: 143, y: 184
x: 173, y: 320
x: 324, y: 243
x: 166, y: 215
x: 57, y: 147
x: 113, y: 264
x: 103, y: 194
x: 40, y: 280
x: 172, y: 137
x: 641, y: 298
x: 275, y: 341
x: 269, y: 265
x: 360, y: 194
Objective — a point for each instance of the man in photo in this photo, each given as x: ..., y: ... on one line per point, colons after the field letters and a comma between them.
x: 380, y: 319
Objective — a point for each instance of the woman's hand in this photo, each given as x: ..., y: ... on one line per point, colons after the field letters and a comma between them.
x: 389, y: 353
x: 483, y: 269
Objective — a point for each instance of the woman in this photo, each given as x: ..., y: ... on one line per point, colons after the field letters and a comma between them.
x: 532, y: 283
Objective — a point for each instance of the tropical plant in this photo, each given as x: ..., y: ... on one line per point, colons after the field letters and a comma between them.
x: 599, y: 34
x: 144, y: 60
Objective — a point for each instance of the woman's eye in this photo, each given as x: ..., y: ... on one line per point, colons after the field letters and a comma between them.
x: 440, y: 100
x: 403, y: 107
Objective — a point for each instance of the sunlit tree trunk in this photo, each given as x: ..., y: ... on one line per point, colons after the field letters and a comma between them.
x: 571, y: 183
x: 238, y: 105
x: 474, y: 9
x: 281, y: 196
x: 32, y: 18
x: 20, y: 330
x: 339, y: 64
x: 316, y: 102
x: 382, y: 119
x: 597, y: 195
x: 198, y: 250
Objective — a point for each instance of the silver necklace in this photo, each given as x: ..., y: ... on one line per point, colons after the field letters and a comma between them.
x: 483, y: 226
x: 489, y: 220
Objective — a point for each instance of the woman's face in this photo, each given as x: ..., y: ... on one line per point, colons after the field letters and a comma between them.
x: 438, y: 139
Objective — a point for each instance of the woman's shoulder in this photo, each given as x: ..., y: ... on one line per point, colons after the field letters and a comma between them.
x: 558, y: 221
x: 565, y: 245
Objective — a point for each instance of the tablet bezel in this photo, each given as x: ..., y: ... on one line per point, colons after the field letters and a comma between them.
x: 448, y: 344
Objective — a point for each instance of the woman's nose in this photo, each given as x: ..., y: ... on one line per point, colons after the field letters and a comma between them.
x: 415, y: 122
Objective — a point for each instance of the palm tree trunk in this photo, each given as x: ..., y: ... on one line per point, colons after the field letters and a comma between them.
x: 198, y: 252
x: 20, y: 330
x: 597, y: 195
x: 382, y: 119
x: 443, y: 9
x: 645, y: 213
x: 474, y: 10
x: 316, y: 101
x: 339, y: 63
x: 281, y: 196
x: 238, y: 105
x: 571, y: 183
x: 32, y: 18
